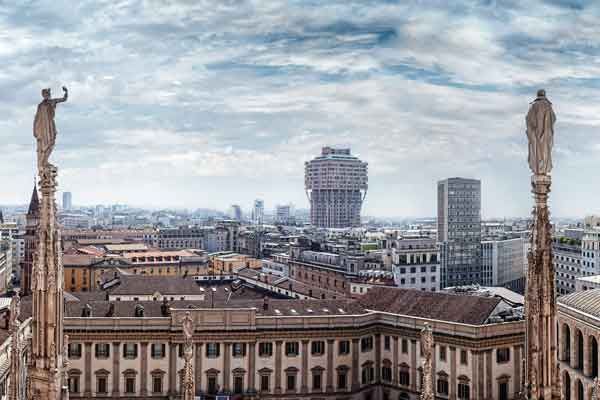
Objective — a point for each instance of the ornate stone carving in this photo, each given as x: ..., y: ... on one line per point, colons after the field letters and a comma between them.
x: 15, y: 350
x: 427, y: 350
x: 540, y: 308
x: 187, y: 324
x: 45, y: 370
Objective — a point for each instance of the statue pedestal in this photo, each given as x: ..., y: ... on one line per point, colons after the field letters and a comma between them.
x: 541, y: 379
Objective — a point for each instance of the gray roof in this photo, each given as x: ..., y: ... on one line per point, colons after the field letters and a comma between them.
x: 143, y: 284
x: 587, y: 301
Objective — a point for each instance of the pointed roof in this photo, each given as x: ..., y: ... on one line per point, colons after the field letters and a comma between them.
x: 34, y: 204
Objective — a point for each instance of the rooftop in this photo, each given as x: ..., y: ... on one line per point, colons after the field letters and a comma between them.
x: 587, y: 301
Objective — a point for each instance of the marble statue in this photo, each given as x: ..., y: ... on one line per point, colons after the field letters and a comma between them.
x: 44, y: 128
x: 540, y: 132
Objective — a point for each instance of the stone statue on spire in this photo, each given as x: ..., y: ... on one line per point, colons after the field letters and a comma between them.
x: 540, y: 132
x: 44, y: 128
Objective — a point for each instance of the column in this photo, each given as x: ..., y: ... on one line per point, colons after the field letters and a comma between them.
x: 377, y: 357
x: 116, y: 353
x: 355, y: 368
x: 587, y: 367
x: 488, y: 374
x: 517, y: 368
x: 573, y: 361
x: 475, y: 374
x: 144, y: 369
x: 413, y: 365
x: 251, y: 366
x: 330, y: 367
x: 560, y: 348
x: 198, y: 368
x: 226, y: 367
x: 452, y: 382
x: 172, y: 369
x: 87, y: 389
x: 304, y: 372
x: 278, y: 367
x: 395, y: 361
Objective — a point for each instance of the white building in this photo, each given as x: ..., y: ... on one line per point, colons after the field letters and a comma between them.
x: 504, y: 263
x: 415, y: 264
x: 258, y: 212
x: 284, y: 214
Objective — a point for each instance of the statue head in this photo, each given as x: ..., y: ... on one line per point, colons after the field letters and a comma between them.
x: 541, y: 93
x: 46, y: 93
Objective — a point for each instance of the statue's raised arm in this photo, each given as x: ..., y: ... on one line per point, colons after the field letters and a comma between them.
x: 44, y: 128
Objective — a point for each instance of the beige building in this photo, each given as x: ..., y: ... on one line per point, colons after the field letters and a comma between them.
x: 252, y: 346
x: 578, y: 323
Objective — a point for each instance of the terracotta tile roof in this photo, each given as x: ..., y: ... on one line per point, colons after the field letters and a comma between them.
x: 77, y: 260
x: 464, y: 309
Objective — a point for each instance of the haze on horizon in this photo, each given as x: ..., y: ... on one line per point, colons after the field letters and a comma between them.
x: 206, y: 104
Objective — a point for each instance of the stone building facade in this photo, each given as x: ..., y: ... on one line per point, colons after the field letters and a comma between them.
x: 282, y: 349
x: 578, y: 326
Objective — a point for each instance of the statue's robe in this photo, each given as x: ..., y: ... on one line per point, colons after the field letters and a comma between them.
x: 540, y: 132
x: 44, y: 129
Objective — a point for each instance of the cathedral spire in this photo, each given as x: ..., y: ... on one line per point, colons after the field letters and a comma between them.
x: 34, y: 203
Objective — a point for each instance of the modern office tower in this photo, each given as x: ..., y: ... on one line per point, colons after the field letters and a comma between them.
x: 236, y: 212
x: 336, y: 186
x: 284, y: 214
x: 67, y: 201
x: 258, y: 212
x: 459, y: 231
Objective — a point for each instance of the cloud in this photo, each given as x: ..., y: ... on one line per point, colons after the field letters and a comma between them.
x: 207, y: 104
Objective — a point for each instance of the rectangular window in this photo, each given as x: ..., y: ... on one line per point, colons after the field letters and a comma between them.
x: 157, y: 384
x: 74, y: 350
x: 443, y: 353
x: 342, y: 379
x: 130, y: 385
x: 317, y: 381
x: 387, y: 343
x: 264, y: 383
x: 102, y: 350
x: 366, y: 344
x: 317, y: 348
x: 404, y: 377
x: 213, y: 350
x: 404, y: 346
x: 442, y: 387
x: 238, y: 384
x: 157, y: 350
x: 464, y: 391
x: 74, y: 384
x: 291, y: 382
x: 291, y: 349
x: 464, y: 359
x: 343, y: 347
x: 101, y: 384
x: 238, y: 349
x: 212, y: 385
x: 503, y: 355
x: 130, y: 350
x: 265, y: 349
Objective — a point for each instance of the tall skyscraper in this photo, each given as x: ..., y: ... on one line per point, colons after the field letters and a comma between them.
x: 258, y: 212
x: 67, y: 201
x: 336, y: 186
x: 284, y: 214
x: 459, y: 231
x: 235, y: 212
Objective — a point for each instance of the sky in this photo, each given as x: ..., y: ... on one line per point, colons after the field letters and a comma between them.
x: 210, y: 103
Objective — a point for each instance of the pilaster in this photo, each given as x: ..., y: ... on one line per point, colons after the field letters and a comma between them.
x: 355, y: 367
x: 252, y: 366
x: 116, y: 374
x: 413, y: 365
x: 329, y: 372
x: 144, y: 369
x: 395, y: 361
x: 172, y: 370
x: 87, y: 377
x: 198, y: 368
x: 226, y: 367
x: 278, y: 366
x: 452, y: 382
x: 304, y: 372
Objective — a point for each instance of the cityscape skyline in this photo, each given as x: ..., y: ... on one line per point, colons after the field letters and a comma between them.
x: 421, y: 94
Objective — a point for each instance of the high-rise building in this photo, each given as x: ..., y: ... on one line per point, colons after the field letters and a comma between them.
x: 258, y: 212
x: 284, y: 214
x: 236, y: 212
x: 67, y: 201
x: 336, y: 185
x: 459, y: 231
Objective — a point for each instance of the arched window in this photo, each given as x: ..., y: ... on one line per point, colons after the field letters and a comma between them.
x: 463, y: 389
